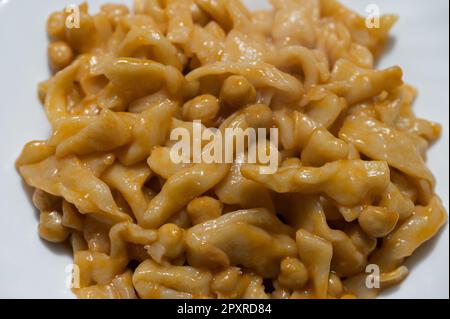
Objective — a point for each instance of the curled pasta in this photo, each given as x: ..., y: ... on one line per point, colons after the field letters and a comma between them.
x: 126, y: 72
x: 413, y: 232
x: 336, y: 180
x: 100, y: 267
x: 84, y: 136
x: 121, y: 287
x: 185, y: 185
x: 172, y: 282
x: 73, y: 182
x: 317, y: 254
x: 375, y: 140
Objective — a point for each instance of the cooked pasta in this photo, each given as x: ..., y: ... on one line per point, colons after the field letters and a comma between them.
x: 352, y: 188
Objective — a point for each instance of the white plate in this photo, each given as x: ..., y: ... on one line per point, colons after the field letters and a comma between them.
x: 32, y: 268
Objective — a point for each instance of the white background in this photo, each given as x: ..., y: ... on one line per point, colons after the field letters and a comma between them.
x: 32, y: 268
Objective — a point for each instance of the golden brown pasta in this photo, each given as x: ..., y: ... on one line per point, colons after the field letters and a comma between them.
x: 352, y: 190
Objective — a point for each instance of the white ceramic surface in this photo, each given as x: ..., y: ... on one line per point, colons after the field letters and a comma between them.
x: 32, y: 268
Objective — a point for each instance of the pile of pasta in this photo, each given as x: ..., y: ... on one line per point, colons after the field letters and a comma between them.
x: 352, y: 188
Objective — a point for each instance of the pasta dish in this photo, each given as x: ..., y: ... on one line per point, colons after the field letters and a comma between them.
x: 351, y: 198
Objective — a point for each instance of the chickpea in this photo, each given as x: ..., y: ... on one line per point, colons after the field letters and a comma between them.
x: 204, y: 108
x: 203, y: 209
x: 56, y: 26
x: 60, y: 55
x: 378, y: 221
x: 293, y: 274
x: 51, y: 228
x: 335, y: 287
x: 237, y: 91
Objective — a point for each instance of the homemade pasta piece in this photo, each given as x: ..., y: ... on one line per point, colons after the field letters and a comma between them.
x: 378, y: 222
x: 202, y: 108
x: 294, y: 24
x: 306, y: 59
x: 104, y: 133
x: 335, y: 286
x: 325, y: 109
x: 259, y: 242
x: 394, y: 200
x: 161, y: 164
x: 129, y: 181
x: 45, y: 201
x: 96, y: 235
x: 350, y: 188
x: 206, y: 46
x: 231, y: 283
x: 260, y: 74
x: 306, y: 213
x: 100, y: 267
x: 255, y: 289
x: 241, y: 47
x: 60, y: 55
x: 217, y: 10
x: 357, y: 84
x: 424, y: 223
x: 169, y: 246
x: 364, y: 243
x: 237, y: 91
x: 348, y: 182
x: 153, y: 281
x: 34, y: 152
x: 98, y: 163
x: 51, y: 227
x: 357, y: 285
x: 115, y: 12
x: 295, y: 128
